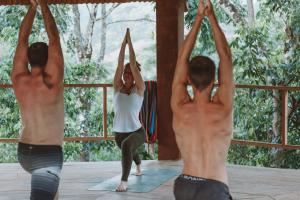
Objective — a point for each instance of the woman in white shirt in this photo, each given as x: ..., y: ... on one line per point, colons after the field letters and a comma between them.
x: 129, y: 90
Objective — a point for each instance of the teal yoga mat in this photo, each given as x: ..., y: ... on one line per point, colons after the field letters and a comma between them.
x: 151, y: 179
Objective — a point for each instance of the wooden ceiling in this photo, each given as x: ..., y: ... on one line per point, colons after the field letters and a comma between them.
x: 25, y: 2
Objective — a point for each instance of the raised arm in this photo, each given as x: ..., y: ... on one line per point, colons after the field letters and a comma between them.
x: 118, y: 83
x: 20, y: 64
x: 134, y: 69
x: 180, y: 81
x: 55, y: 65
x: 226, y: 89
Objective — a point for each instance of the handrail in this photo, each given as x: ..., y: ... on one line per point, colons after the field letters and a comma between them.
x: 75, y: 139
x: 284, y: 123
x: 265, y: 87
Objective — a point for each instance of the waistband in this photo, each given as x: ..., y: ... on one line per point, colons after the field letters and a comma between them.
x: 138, y: 130
x: 40, y: 147
x: 201, y: 180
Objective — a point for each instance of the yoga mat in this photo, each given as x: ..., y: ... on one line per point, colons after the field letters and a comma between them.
x: 151, y: 179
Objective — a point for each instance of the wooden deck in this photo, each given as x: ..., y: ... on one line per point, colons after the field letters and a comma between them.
x: 245, y: 182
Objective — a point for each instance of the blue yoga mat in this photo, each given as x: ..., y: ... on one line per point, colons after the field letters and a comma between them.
x: 150, y: 180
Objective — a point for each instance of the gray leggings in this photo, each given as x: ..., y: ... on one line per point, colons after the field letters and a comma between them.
x: 129, y: 143
x: 44, y: 163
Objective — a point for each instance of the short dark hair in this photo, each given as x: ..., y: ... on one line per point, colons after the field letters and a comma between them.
x: 137, y: 64
x: 201, y: 72
x: 38, y: 54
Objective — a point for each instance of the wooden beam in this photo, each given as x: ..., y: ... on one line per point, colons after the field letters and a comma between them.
x: 264, y: 144
x: 170, y: 27
x: 26, y: 2
x: 284, y: 116
x: 104, y: 121
x: 66, y: 139
x: 258, y: 87
x: 233, y: 142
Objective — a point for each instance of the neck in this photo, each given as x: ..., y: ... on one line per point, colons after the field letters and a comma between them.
x: 36, y: 70
x: 128, y: 86
x: 202, y: 97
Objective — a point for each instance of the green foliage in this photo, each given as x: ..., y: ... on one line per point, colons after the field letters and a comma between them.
x: 9, y: 152
x: 11, y: 17
x: 256, y: 124
x: 267, y: 53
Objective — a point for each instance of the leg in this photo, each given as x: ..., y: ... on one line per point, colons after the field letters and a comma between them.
x: 139, y: 139
x: 24, y: 157
x: 119, y: 138
x: 44, y: 183
x: 129, y: 147
x: 136, y: 157
x: 137, y: 161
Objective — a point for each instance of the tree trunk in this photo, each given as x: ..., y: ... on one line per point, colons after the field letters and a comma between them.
x: 251, y: 14
x: 276, y: 153
x: 276, y: 115
x: 77, y: 32
x: 88, y: 47
x: 103, y: 35
x: 279, y: 154
x: 86, y: 106
x: 232, y: 10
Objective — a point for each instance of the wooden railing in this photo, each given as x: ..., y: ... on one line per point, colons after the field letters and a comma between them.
x: 77, y: 139
x: 284, y: 91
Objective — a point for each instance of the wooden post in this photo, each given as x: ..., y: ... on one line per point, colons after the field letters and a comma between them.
x: 284, y: 116
x: 105, y: 111
x: 170, y: 27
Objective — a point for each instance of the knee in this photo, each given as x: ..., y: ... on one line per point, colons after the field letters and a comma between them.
x: 44, y: 183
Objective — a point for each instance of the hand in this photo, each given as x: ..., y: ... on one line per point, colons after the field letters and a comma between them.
x: 128, y: 36
x: 201, y: 9
x: 209, y: 10
x: 41, y: 2
x: 34, y: 3
x: 127, y: 31
x: 125, y: 39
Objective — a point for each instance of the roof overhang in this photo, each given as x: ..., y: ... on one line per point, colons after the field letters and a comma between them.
x: 26, y: 2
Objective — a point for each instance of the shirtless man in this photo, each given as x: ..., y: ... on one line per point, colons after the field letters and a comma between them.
x: 39, y: 93
x: 203, y: 124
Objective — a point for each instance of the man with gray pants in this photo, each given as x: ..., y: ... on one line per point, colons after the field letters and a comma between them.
x: 39, y: 93
x: 203, y: 123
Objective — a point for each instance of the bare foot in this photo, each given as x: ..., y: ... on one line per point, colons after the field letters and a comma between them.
x: 138, y: 170
x: 122, y: 187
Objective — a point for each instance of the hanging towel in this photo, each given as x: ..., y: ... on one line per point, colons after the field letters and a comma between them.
x: 148, y: 114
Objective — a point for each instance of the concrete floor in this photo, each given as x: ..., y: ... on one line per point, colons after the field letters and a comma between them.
x: 244, y: 182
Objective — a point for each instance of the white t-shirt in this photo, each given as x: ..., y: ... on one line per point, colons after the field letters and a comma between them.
x: 127, y: 109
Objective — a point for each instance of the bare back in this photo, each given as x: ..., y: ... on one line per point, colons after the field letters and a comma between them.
x: 39, y: 92
x: 203, y: 127
x: 42, y: 110
x: 203, y: 134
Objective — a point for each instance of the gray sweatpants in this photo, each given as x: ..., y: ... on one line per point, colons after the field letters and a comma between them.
x: 44, y: 163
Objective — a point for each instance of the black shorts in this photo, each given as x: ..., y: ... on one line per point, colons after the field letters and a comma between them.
x: 196, y: 188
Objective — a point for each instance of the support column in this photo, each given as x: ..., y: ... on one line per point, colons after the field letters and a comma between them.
x: 284, y: 117
x: 170, y: 33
